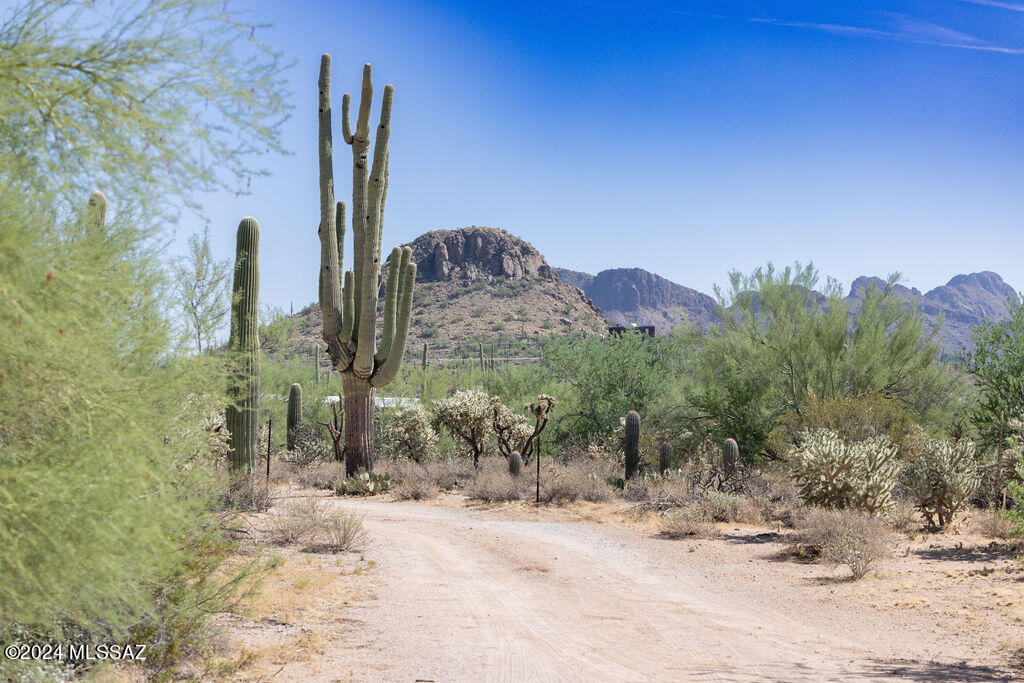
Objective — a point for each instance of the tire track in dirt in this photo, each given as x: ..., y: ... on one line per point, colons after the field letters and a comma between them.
x: 466, y: 595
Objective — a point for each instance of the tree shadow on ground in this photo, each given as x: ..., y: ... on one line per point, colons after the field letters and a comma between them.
x: 978, y: 553
x: 918, y: 670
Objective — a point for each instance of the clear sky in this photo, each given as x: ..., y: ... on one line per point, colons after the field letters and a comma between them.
x: 686, y: 138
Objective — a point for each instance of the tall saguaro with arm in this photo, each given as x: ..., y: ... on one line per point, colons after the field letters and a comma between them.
x: 349, y: 302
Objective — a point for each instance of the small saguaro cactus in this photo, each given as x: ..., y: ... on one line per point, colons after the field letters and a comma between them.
x: 515, y: 464
x: 730, y: 456
x: 316, y: 362
x: 96, y: 213
x: 631, y: 444
x: 665, y: 457
x: 242, y: 416
x: 349, y: 303
x: 294, y: 413
x: 424, y: 360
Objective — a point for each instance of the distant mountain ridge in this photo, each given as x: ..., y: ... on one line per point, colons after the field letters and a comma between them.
x: 634, y: 295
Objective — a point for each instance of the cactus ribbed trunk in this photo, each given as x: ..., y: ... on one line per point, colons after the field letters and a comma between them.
x: 294, y: 413
x: 515, y: 464
x: 632, y: 444
x: 359, y: 407
x: 349, y: 302
x: 665, y: 457
x: 242, y: 416
x: 730, y: 456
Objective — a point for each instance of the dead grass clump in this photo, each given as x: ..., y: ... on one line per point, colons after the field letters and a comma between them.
x: 445, y: 474
x: 416, y: 489
x: 733, y: 508
x: 691, y: 521
x: 318, y: 525
x: 572, y: 482
x: 245, y: 493
x: 322, y: 475
x: 992, y: 523
x: 842, y: 538
x: 493, y: 483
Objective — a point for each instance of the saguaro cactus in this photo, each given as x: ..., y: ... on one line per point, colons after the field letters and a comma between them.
x: 349, y: 304
x: 730, y: 456
x: 294, y: 413
x: 665, y: 457
x: 631, y: 444
x: 515, y: 464
x: 242, y: 417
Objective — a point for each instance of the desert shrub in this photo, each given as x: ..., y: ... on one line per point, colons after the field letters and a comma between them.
x: 843, y: 538
x: 318, y: 525
x: 308, y: 446
x: 411, y: 434
x: 994, y: 523
x: 322, y: 475
x: 834, y: 474
x: 512, y: 429
x: 688, y: 521
x: 467, y: 416
x: 942, y: 480
x: 245, y: 492
x: 852, y: 418
x: 364, y: 484
x: 415, y: 489
x: 728, y: 507
x: 568, y: 483
x: 493, y: 483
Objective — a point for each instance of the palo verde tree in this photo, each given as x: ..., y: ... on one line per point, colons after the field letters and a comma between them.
x: 349, y: 304
x: 147, y: 98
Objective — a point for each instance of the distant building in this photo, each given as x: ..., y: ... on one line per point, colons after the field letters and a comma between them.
x: 647, y: 330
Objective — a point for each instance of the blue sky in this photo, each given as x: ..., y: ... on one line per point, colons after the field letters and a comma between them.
x: 687, y: 138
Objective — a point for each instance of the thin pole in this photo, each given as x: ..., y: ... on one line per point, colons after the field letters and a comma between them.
x: 270, y: 424
x: 538, y: 469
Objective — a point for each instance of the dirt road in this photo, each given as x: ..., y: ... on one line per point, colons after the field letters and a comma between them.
x: 472, y: 595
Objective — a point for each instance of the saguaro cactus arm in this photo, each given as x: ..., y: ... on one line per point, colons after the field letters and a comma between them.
x: 332, y: 223
x: 389, y: 369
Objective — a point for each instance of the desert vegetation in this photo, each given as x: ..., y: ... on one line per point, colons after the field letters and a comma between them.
x: 165, y: 449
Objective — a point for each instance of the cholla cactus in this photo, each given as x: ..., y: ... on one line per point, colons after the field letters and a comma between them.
x: 833, y: 474
x: 466, y: 415
x: 942, y: 479
x: 349, y: 303
x: 631, y: 443
x: 413, y: 434
x: 511, y: 428
x: 878, y: 471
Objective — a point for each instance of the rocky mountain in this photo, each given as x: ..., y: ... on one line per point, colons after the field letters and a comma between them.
x: 632, y: 295
x: 481, y: 285
x: 963, y: 302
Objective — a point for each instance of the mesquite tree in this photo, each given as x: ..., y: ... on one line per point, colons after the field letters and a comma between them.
x: 349, y: 304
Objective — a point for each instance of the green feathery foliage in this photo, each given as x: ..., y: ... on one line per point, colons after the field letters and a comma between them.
x: 103, y: 452
x: 156, y: 98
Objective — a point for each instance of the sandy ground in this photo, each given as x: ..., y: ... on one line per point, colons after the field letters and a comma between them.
x: 446, y: 592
